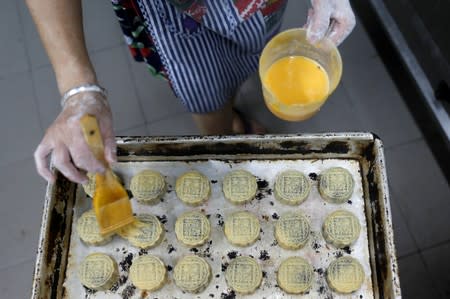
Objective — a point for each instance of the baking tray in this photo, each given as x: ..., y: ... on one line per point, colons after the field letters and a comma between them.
x: 362, y: 150
x: 218, y: 252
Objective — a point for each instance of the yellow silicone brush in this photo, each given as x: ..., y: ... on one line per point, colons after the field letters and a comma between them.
x: 111, y: 203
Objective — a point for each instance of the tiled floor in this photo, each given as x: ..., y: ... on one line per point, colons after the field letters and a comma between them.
x: 367, y: 100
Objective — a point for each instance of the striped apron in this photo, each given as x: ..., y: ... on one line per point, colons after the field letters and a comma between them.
x: 205, y: 48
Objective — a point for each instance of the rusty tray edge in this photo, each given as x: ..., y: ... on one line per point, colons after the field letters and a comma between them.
x: 389, y: 234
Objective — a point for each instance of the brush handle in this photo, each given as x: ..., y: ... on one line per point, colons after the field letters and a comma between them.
x: 93, y: 137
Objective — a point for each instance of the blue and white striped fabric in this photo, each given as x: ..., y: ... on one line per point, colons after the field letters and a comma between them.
x: 207, y: 65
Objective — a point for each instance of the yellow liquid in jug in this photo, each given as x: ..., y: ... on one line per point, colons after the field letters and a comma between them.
x: 297, y: 80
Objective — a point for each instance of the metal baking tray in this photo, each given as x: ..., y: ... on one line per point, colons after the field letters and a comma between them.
x: 60, y: 249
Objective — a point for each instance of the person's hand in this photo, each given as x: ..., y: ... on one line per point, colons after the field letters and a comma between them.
x: 64, y: 139
x: 330, y: 18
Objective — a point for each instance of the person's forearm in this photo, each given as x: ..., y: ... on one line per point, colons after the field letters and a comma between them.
x: 60, y: 26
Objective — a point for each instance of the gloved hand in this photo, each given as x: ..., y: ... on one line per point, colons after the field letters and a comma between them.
x: 65, y: 142
x: 330, y: 18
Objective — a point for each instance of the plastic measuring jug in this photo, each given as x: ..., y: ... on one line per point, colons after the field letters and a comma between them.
x: 292, y: 44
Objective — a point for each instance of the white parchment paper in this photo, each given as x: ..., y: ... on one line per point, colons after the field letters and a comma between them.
x: 218, y: 251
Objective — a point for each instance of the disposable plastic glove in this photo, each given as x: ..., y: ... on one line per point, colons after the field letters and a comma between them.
x: 65, y: 142
x: 330, y: 18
